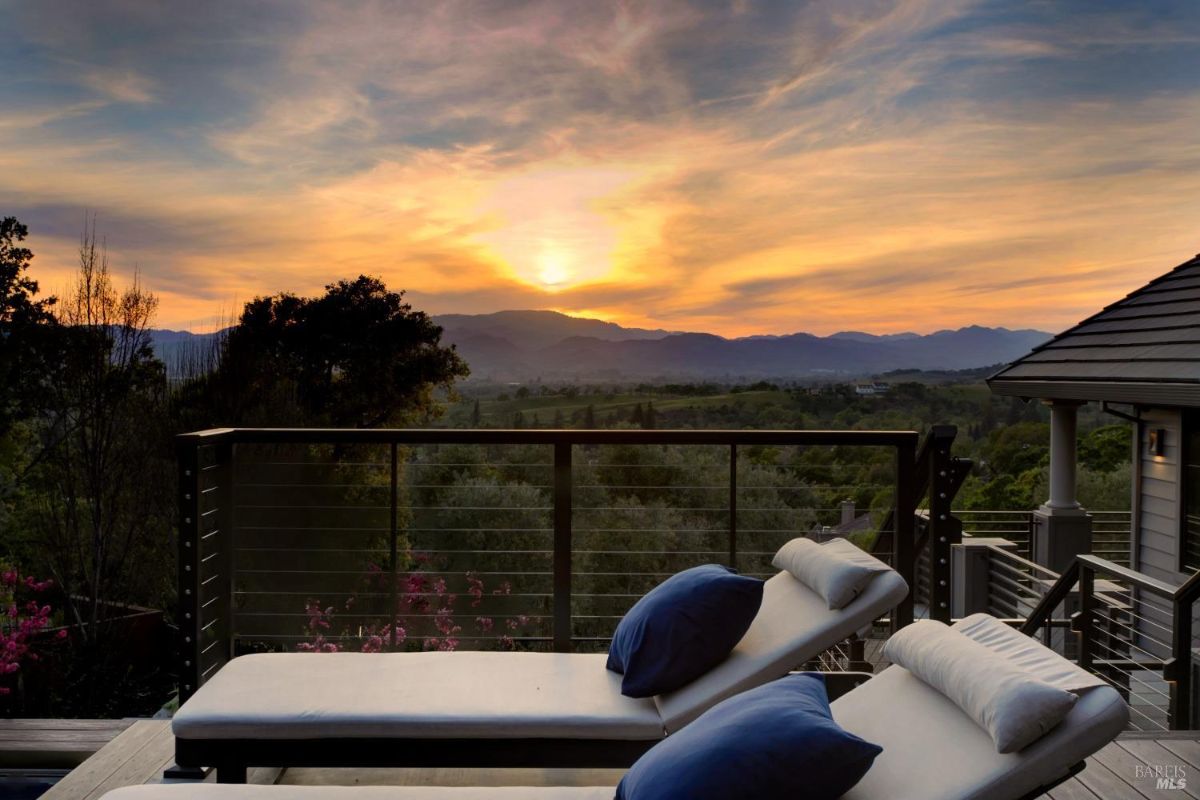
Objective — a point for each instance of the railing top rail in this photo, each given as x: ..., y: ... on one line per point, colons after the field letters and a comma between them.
x: 545, y: 436
x: 1050, y: 600
x: 1133, y: 577
x: 1025, y: 562
x: 1189, y: 591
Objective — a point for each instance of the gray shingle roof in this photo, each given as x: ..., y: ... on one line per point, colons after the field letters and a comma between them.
x: 1142, y: 349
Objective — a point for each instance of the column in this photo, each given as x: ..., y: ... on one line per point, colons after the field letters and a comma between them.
x: 1062, y: 527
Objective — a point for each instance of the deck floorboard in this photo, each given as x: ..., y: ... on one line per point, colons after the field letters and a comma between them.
x: 142, y: 752
x: 54, y: 743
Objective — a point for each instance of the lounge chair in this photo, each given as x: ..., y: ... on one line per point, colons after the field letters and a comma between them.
x: 932, y: 750
x: 487, y: 709
x: 212, y: 791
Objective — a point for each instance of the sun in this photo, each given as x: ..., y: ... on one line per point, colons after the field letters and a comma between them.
x: 553, y: 268
x: 551, y: 228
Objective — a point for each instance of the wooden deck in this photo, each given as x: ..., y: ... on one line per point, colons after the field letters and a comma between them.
x: 1124, y: 770
x: 54, y: 743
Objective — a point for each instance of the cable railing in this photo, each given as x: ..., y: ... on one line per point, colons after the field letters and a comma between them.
x: 1110, y: 530
x: 380, y: 540
x: 1133, y: 631
x: 1015, y: 584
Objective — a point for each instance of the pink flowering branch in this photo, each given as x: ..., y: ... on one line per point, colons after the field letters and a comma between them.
x: 23, y: 620
x: 426, y: 614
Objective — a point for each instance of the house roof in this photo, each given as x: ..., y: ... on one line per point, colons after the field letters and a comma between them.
x: 1144, y: 349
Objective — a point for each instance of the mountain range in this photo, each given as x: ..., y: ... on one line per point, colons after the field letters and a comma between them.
x: 523, y: 345
x: 547, y: 345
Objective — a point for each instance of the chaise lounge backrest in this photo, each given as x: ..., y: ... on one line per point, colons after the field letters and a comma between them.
x: 794, y: 624
x: 932, y: 750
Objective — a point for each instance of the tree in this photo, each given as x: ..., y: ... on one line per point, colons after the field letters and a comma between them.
x: 649, y: 421
x: 637, y: 417
x: 589, y: 417
x: 104, y: 480
x: 357, y: 356
x: 475, y: 415
x: 21, y: 320
x: 1105, y: 449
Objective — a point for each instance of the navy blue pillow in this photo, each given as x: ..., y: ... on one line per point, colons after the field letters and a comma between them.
x: 682, y: 628
x: 778, y: 740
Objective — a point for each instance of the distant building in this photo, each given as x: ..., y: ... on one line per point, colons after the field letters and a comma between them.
x: 871, y: 388
x: 851, y: 522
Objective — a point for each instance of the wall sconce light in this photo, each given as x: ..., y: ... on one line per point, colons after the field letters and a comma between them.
x: 1158, y: 441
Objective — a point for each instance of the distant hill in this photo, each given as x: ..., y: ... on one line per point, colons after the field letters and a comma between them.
x: 523, y: 345
x: 530, y: 330
x: 184, y: 353
x: 526, y: 345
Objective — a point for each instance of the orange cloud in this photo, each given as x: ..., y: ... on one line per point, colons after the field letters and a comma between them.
x: 906, y: 166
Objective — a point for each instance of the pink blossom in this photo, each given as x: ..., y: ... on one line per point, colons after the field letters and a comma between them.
x: 475, y: 590
x: 23, y: 621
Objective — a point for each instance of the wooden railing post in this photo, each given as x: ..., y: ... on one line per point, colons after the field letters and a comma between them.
x: 224, y: 539
x: 733, y: 455
x: 905, y: 561
x: 562, y: 546
x: 393, y: 548
x: 1083, y: 622
x: 1179, y: 668
x: 189, y: 567
x: 945, y: 530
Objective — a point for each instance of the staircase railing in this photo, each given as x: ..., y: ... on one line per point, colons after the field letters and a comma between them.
x: 1133, y: 630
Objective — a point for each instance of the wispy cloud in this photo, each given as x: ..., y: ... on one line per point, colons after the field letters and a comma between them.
x: 740, y: 167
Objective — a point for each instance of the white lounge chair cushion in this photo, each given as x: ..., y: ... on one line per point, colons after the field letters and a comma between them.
x: 1014, y: 707
x: 838, y: 570
x: 417, y: 695
x: 1027, y: 653
x: 793, y: 625
x: 229, y: 791
x: 508, y: 695
x: 934, y: 751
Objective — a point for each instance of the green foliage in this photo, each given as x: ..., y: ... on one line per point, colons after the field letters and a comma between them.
x: 357, y: 356
x: 22, y: 320
x: 1106, y: 449
x: 100, y: 488
x: 1013, y: 449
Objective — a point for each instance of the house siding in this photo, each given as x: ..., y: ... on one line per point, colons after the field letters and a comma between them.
x: 1158, y: 502
x: 1156, y: 541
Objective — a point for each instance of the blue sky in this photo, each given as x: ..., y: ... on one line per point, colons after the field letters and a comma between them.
x: 738, y: 167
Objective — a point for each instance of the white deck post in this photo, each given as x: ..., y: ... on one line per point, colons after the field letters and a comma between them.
x: 1063, y: 424
x: 1061, y: 526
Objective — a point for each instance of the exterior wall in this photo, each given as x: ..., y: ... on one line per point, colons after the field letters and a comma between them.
x: 1157, y: 504
x: 1158, y: 499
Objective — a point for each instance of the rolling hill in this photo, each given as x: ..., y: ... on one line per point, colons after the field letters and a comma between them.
x: 524, y: 345
x: 528, y: 345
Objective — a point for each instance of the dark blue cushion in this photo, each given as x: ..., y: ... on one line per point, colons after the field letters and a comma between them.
x: 682, y: 628
x: 778, y: 740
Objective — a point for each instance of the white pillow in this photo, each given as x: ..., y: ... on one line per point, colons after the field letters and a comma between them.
x: 838, y: 570
x: 1015, y: 708
x: 1026, y: 653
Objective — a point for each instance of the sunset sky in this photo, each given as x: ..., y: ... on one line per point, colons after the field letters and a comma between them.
x: 737, y: 167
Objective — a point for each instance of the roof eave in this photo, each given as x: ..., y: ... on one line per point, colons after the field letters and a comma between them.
x: 1185, y: 395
